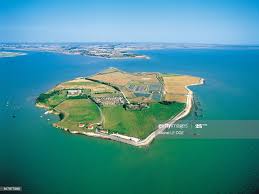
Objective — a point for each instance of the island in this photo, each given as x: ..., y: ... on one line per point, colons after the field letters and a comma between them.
x: 100, y: 50
x: 120, y: 106
x: 10, y: 54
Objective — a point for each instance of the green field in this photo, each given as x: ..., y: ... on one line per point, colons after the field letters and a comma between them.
x: 78, y: 111
x: 56, y: 99
x: 52, y: 98
x: 139, y: 123
x: 136, y: 123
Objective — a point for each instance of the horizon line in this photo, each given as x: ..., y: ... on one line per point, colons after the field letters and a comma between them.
x: 125, y: 42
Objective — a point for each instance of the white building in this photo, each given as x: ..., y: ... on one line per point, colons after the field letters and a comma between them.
x: 74, y: 92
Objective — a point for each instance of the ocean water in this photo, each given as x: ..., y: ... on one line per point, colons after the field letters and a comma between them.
x: 43, y: 159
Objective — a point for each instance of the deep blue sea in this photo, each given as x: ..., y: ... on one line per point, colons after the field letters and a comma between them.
x: 43, y: 159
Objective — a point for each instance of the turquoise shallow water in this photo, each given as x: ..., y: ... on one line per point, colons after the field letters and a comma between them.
x: 43, y: 159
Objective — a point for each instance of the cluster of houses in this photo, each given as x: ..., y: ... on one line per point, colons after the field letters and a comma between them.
x: 90, y: 126
x: 114, y: 100
x: 82, y: 125
x: 104, y: 52
x: 138, y: 106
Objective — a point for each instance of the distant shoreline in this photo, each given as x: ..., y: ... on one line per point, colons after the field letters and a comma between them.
x: 7, y: 54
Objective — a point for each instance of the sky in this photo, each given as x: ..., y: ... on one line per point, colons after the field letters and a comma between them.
x: 175, y: 21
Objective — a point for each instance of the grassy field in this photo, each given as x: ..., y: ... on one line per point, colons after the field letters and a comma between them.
x: 52, y: 98
x: 78, y: 111
x: 139, y: 123
x: 56, y: 99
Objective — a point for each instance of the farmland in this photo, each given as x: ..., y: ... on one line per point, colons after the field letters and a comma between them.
x: 175, y: 86
x: 122, y: 78
x: 82, y: 83
x: 137, y: 87
x: 114, y: 101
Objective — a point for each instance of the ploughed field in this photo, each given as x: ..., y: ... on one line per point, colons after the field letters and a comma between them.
x: 114, y: 101
x: 175, y: 86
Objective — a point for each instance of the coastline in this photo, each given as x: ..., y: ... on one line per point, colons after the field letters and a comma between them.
x: 119, y: 58
x: 8, y: 54
x: 144, y: 142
